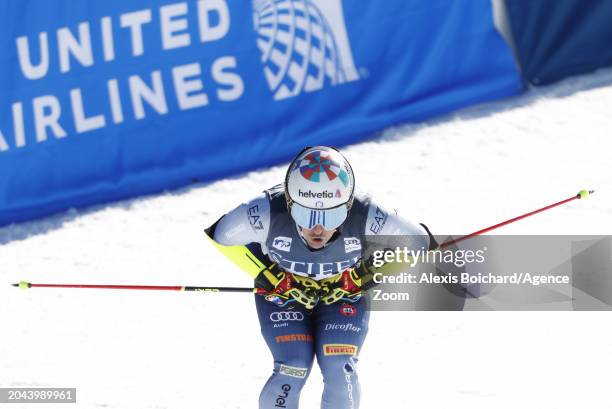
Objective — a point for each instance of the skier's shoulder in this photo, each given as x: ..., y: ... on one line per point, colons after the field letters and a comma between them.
x: 276, y: 198
x: 386, y: 220
x: 275, y: 191
x: 249, y: 222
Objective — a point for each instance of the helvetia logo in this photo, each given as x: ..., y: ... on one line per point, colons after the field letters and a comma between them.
x: 309, y: 194
x: 304, y: 45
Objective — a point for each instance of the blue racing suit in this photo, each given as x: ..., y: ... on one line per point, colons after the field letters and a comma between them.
x: 334, y: 333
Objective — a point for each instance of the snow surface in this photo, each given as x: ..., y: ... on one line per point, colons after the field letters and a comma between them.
x: 164, y: 350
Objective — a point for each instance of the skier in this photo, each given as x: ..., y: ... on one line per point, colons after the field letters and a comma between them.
x: 302, y: 241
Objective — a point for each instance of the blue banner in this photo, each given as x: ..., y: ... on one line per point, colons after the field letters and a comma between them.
x: 557, y: 39
x: 105, y: 100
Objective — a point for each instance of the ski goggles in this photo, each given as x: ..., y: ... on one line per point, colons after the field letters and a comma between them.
x: 308, y: 217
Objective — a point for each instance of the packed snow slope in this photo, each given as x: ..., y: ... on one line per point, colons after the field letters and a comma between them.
x: 164, y: 350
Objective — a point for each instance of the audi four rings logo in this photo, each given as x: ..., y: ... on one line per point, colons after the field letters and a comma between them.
x: 286, y: 316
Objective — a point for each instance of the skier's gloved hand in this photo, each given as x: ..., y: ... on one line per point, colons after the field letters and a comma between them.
x: 343, y: 286
x: 282, y: 288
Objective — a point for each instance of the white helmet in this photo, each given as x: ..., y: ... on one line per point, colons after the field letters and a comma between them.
x: 319, y: 188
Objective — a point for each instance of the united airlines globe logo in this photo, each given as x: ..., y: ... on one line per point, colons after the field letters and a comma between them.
x: 303, y: 44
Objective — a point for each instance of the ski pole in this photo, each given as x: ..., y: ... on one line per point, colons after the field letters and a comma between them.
x: 583, y: 194
x: 25, y: 285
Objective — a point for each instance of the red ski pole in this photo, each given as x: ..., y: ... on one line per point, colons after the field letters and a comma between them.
x: 25, y: 285
x: 583, y: 194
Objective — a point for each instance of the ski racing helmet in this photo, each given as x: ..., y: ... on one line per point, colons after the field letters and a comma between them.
x: 319, y: 188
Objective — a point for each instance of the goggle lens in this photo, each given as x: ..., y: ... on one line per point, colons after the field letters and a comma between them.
x: 329, y: 218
